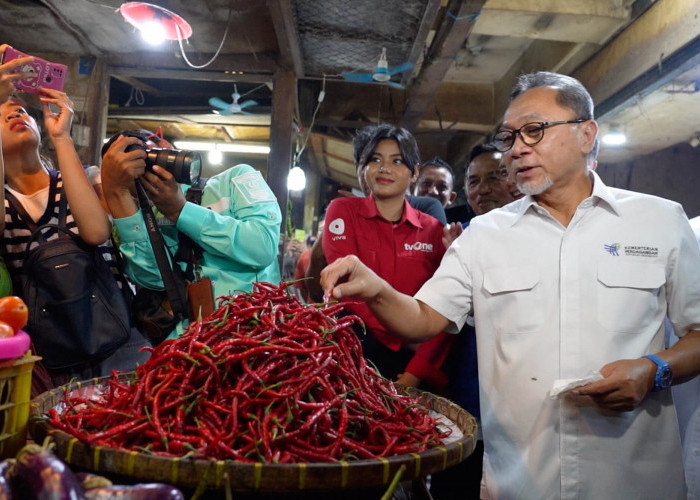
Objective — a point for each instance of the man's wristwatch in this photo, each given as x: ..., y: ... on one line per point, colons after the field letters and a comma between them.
x: 664, y: 375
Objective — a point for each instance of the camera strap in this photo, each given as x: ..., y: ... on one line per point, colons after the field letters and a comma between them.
x: 174, y: 284
x: 188, y: 250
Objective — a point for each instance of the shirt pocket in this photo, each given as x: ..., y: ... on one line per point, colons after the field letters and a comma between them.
x: 513, y: 299
x: 628, y: 299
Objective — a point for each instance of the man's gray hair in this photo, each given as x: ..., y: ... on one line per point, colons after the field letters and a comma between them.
x: 570, y: 92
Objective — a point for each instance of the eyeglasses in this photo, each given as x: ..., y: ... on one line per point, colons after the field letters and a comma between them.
x: 530, y: 134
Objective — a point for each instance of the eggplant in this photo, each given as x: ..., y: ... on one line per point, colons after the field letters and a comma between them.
x: 5, y: 479
x: 41, y: 475
x: 144, y: 491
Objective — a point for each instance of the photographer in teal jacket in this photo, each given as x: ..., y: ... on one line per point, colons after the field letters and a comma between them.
x: 237, y: 224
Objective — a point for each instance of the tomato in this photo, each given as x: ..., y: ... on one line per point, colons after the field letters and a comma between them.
x: 6, y: 330
x: 14, y: 312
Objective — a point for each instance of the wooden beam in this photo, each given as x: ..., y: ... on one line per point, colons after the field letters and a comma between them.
x: 96, y: 111
x: 662, y: 30
x: 584, y: 21
x: 279, y: 160
x: 138, y: 84
x: 316, y: 157
x: 147, y: 61
x: 339, y: 158
x: 185, y: 74
x: 672, y: 67
x: 429, y: 16
x: 348, y: 179
x: 332, y: 123
x: 595, y: 8
x: 287, y: 37
x: 230, y: 132
x: 170, y: 110
x: 175, y: 130
x: 454, y: 30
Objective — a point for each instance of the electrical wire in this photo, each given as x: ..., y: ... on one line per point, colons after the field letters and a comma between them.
x: 135, y: 95
x: 321, y: 96
x: 253, y: 90
x: 216, y: 54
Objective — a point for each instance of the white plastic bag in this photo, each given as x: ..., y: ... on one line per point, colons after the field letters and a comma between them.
x: 564, y: 385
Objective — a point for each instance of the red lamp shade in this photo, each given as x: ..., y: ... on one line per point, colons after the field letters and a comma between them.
x: 140, y: 13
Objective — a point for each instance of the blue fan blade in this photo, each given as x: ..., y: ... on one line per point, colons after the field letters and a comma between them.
x: 248, y: 103
x: 218, y: 103
x: 226, y: 112
x: 400, y: 68
x: 395, y: 85
x: 357, y: 77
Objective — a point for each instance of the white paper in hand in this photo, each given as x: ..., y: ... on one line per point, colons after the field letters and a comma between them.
x: 564, y: 385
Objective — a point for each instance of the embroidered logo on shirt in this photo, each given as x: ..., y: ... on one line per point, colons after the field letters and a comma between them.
x: 419, y: 246
x: 253, y: 188
x: 613, y: 249
x: 641, y: 251
x: 337, y: 227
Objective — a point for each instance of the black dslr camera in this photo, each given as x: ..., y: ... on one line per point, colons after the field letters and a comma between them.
x: 185, y: 166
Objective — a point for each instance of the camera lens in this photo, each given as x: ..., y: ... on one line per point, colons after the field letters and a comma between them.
x: 185, y: 166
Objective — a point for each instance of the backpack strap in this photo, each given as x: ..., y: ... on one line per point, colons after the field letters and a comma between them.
x: 27, y: 219
x: 21, y: 212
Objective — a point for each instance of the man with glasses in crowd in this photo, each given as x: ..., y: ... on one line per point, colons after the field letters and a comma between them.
x: 570, y: 282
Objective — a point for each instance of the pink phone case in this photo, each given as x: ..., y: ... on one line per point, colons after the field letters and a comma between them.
x: 48, y: 74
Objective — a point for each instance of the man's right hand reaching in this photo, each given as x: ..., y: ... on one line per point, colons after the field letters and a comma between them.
x: 349, y: 277
x: 403, y: 315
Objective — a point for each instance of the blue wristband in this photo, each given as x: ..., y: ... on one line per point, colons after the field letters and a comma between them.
x: 664, y: 374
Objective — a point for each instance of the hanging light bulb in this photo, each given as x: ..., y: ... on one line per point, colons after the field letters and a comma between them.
x: 296, y: 180
x: 614, y: 137
x: 155, y: 22
x: 215, y: 156
x: 152, y: 32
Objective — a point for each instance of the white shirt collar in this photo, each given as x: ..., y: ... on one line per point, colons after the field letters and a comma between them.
x: 600, y: 192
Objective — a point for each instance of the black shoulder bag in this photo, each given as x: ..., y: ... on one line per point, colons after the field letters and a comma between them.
x: 77, y: 313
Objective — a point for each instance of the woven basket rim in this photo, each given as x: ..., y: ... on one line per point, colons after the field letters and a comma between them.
x: 189, y: 472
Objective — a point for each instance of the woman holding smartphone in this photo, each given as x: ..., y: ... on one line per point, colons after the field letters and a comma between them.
x: 38, y: 188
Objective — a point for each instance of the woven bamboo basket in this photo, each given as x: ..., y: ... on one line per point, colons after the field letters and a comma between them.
x: 259, y: 477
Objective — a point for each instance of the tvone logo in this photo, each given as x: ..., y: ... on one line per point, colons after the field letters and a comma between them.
x: 419, y: 246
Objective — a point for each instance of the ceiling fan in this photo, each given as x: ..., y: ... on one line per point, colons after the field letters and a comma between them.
x: 235, y: 107
x: 381, y: 74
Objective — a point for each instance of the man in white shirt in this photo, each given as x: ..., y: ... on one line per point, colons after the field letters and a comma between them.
x: 574, y: 278
x: 687, y: 399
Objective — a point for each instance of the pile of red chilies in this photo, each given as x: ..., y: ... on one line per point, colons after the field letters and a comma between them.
x: 264, y: 378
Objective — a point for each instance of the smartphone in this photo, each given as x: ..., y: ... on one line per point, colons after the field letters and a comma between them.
x: 48, y: 74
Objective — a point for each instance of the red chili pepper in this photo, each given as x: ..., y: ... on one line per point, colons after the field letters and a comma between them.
x: 263, y: 378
